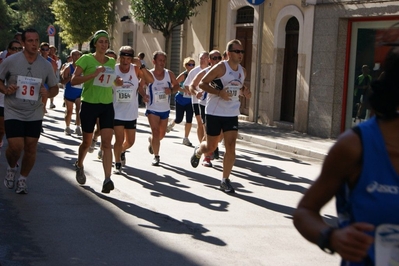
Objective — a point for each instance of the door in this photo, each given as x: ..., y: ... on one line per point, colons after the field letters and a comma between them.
x: 244, y: 34
x: 290, y: 71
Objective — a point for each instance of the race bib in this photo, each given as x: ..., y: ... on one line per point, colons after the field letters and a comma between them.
x: 106, y: 78
x: 387, y: 245
x: 124, y: 95
x: 234, y: 91
x: 160, y: 96
x: 28, y: 88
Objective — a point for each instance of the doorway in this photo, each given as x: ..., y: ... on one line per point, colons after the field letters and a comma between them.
x: 288, y: 94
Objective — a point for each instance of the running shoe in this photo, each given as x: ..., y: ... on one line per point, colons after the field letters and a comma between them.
x: 100, y: 154
x: 52, y: 106
x: 170, y: 126
x: 80, y: 174
x: 68, y: 131
x: 187, y: 142
x: 216, y: 153
x: 123, y: 158
x: 9, y: 180
x: 207, y: 162
x: 108, y: 185
x: 195, y: 158
x: 22, y: 188
x: 118, y: 168
x: 92, y: 146
x: 149, y: 146
x: 156, y: 160
x: 226, y: 186
x: 78, y: 131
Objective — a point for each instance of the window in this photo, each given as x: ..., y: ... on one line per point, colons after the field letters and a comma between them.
x: 128, y: 38
x: 245, y: 15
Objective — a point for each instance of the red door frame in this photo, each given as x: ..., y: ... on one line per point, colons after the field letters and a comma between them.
x: 347, y: 58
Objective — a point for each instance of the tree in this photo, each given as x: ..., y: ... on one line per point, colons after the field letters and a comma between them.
x: 34, y: 14
x: 80, y: 19
x: 164, y: 15
x: 6, y: 25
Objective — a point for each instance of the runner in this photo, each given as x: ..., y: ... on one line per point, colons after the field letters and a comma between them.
x: 158, y: 106
x: 98, y: 77
x: 126, y: 102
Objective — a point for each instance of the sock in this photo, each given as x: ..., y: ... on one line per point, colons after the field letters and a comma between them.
x: 12, y: 168
x: 224, y: 180
x: 22, y: 178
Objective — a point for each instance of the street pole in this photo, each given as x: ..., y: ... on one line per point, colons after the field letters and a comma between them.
x: 259, y: 61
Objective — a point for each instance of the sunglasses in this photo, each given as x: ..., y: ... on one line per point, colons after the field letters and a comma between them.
x: 16, y: 48
x: 44, y: 49
x: 190, y: 64
x: 237, y: 51
x: 216, y: 58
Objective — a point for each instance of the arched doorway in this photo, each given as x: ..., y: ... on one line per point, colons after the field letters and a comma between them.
x: 289, y: 81
x: 245, y: 15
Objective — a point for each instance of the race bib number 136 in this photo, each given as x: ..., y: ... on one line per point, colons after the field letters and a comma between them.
x: 28, y: 88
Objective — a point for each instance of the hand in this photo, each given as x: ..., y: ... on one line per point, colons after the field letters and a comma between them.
x: 99, y: 69
x: 146, y: 98
x: 246, y: 92
x: 118, y: 81
x: 351, y: 242
x: 168, y: 91
x: 136, y: 61
x: 199, y: 94
x: 225, y: 95
x: 11, y: 89
x: 43, y: 92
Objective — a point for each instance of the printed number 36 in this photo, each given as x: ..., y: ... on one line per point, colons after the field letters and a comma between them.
x: 31, y: 90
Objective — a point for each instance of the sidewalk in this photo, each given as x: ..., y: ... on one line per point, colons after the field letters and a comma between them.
x: 277, y: 138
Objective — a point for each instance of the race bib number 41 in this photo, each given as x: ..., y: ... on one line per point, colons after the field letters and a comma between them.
x: 28, y: 88
x: 106, y: 78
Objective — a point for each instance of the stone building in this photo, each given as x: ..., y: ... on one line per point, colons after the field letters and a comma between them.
x: 302, y: 56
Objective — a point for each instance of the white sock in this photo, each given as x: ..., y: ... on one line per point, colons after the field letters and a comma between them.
x: 22, y: 178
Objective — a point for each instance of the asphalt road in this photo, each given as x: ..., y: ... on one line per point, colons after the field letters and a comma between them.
x: 168, y: 215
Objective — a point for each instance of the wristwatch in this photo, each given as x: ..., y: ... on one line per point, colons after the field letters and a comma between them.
x: 142, y: 66
x: 324, y: 240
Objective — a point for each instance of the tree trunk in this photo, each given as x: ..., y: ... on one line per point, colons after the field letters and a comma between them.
x: 167, y: 50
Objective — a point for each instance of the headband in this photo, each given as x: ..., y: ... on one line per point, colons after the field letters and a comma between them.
x: 101, y: 34
x: 126, y: 54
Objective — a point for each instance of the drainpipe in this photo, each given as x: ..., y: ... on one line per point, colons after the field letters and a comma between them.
x: 212, y: 32
x: 258, y: 61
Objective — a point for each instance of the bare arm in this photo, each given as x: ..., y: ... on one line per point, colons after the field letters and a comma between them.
x: 175, y: 84
x: 216, y: 72
x: 77, y: 77
x: 342, y: 164
x: 194, y: 84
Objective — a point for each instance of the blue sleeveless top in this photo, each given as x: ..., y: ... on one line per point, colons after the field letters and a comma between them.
x: 375, y: 197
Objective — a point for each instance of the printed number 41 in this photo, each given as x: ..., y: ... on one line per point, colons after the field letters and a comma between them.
x: 101, y: 78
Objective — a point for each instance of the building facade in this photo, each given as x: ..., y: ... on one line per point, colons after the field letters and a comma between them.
x: 302, y: 56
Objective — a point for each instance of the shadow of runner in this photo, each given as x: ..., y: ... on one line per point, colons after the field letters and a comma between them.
x: 17, y: 246
x: 163, y: 222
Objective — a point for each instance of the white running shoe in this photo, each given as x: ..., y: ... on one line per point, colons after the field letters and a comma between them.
x: 22, y: 188
x: 78, y: 131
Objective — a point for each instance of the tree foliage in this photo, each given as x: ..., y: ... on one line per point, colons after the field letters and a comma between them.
x: 34, y: 14
x: 6, y: 28
x: 164, y: 15
x: 80, y: 19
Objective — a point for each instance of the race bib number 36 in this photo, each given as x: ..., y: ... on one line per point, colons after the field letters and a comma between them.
x: 105, y: 79
x: 28, y: 88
